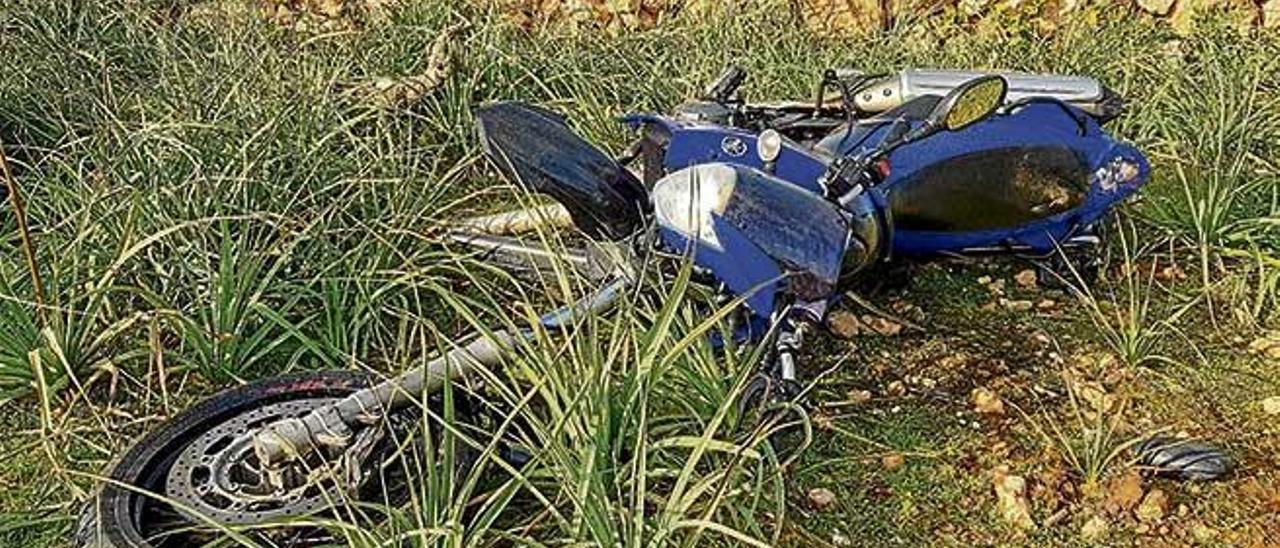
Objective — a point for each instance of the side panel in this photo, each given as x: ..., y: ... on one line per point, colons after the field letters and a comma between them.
x: 1017, y: 217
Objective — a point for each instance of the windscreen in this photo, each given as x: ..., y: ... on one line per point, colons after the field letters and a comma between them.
x: 534, y: 147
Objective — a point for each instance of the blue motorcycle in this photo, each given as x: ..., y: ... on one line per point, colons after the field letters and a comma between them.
x: 783, y: 206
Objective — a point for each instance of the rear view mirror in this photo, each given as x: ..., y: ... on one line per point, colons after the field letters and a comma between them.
x: 968, y: 103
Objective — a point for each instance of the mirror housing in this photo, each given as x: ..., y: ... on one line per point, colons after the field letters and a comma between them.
x: 969, y: 103
x: 964, y: 105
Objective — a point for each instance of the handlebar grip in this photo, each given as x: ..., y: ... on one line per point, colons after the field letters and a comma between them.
x: 722, y: 88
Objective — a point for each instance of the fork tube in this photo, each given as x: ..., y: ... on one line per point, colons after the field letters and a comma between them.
x: 333, y: 425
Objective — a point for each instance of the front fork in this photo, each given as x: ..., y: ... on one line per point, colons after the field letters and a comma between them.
x: 777, y: 380
x: 333, y: 425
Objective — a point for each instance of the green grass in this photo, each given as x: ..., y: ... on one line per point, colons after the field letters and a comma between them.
x: 207, y: 205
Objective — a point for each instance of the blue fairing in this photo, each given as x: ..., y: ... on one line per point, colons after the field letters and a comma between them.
x: 695, y: 143
x: 1115, y: 171
x: 740, y: 264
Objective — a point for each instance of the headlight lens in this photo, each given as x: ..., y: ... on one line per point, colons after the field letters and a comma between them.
x: 769, y: 145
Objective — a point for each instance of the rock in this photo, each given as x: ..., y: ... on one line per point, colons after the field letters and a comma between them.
x: 1017, y: 305
x: 986, y: 401
x: 860, y: 396
x: 1056, y: 518
x: 1156, y: 7
x: 1271, y: 406
x: 1153, y: 508
x: 821, y: 498
x: 844, y: 324
x: 892, y: 461
x: 984, y: 280
x: 1203, y: 533
x: 882, y: 326
x: 1011, y: 499
x: 1045, y: 305
x: 1268, y: 346
x: 1271, y: 14
x: 1094, y: 530
x: 1171, y: 273
x: 1026, y: 279
x: 1125, y: 492
x: 896, y: 389
x: 839, y: 539
x: 1093, y: 395
x: 823, y: 422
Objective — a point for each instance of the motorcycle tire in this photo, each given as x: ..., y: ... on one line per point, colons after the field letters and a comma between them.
x: 117, y: 516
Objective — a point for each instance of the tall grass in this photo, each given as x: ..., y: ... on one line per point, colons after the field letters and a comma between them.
x: 199, y: 186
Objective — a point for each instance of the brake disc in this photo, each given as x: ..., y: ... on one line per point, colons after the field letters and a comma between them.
x: 217, y: 476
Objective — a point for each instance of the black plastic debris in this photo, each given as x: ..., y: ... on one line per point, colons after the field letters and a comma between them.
x: 1188, y: 460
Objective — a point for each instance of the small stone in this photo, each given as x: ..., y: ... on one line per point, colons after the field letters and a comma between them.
x: 1267, y: 345
x: 1011, y: 499
x: 1017, y: 305
x: 823, y: 422
x: 1026, y: 279
x: 984, y: 280
x: 1271, y: 14
x: 896, y: 389
x: 1156, y: 7
x: 1142, y: 529
x: 1171, y: 274
x: 1056, y: 518
x: 1203, y: 533
x: 1045, y: 305
x: 986, y: 401
x: 882, y: 326
x: 1271, y: 406
x: 1153, y: 508
x: 860, y: 396
x: 838, y: 539
x: 892, y: 461
x: 1094, y: 530
x: 1125, y: 492
x: 821, y: 498
x: 844, y: 324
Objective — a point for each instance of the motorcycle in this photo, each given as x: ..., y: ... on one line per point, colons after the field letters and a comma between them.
x: 782, y: 206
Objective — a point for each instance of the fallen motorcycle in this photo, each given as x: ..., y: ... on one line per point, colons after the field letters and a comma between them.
x: 780, y: 205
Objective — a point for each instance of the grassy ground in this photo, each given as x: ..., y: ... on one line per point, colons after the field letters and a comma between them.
x: 209, y: 206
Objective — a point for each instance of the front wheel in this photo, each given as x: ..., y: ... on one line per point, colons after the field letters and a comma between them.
x: 192, y: 479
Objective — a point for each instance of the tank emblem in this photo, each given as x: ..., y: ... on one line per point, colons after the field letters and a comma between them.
x: 733, y: 146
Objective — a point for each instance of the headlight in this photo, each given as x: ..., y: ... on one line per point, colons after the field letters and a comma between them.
x: 769, y: 145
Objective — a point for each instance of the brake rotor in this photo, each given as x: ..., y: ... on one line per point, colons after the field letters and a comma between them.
x: 217, y: 476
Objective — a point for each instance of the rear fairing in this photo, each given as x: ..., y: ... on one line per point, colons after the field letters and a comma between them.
x: 1109, y: 172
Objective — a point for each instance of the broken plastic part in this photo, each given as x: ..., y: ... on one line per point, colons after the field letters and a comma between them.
x: 1190, y: 460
